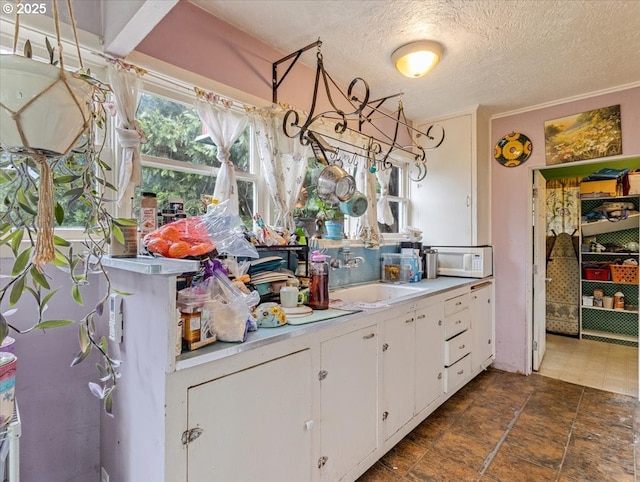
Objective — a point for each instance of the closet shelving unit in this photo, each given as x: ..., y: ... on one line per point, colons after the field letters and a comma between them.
x: 599, y: 323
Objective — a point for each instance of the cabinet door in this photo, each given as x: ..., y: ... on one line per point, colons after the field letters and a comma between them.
x: 398, y: 372
x: 482, y: 326
x: 348, y: 402
x: 253, y: 424
x: 429, y: 355
x: 441, y: 204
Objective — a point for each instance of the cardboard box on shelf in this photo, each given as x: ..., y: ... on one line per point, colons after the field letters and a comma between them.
x: 605, y: 188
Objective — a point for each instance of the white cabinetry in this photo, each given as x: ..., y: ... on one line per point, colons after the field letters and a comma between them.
x: 398, y: 372
x: 290, y: 404
x: 348, y: 402
x: 429, y: 369
x: 452, y: 203
x: 243, y: 424
x: 457, y: 344
x: 482, y: 326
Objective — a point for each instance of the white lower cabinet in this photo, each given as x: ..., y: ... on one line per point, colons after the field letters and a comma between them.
x: 398, y: 372
x: 305, y: 406
x: 348, y: 402
x: 253, y: 425
x: 429, y: 369
x: 482, y: 326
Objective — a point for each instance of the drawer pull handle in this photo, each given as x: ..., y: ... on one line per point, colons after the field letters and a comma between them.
x: 458, y: 322
x: 421, y: 316
x: 439, y: 322
x: 461, y: 347
x: 410, y: 320
x: 458, y: 303
x: 460, y: 372
x: 369, y: 336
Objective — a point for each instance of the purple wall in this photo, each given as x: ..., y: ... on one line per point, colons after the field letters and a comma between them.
x: 510, y: 219
x: 60, y: 418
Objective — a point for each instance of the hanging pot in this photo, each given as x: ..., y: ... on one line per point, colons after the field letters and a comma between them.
x: 335, y: 185
x: 356, y: 206
x: 43, y: 109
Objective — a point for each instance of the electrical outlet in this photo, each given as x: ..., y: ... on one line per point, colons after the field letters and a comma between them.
x: 104, y: 476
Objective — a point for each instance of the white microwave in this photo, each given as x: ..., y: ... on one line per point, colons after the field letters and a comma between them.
x: 471, y: 262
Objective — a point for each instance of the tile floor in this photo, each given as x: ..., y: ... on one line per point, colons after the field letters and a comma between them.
x: 592, y: 363
x: 509, y: 427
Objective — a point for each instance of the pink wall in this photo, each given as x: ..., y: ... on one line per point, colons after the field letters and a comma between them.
x: 511, y: 219
x: 196, y: 41
x: 60, y: 417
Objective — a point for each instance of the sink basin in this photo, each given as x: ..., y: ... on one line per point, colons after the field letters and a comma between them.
x: 373, y: 292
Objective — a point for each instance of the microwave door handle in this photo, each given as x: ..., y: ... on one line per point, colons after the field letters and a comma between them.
x: 467, y: 261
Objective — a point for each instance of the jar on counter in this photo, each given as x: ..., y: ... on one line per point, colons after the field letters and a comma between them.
x: 191, y: 305
x: 319, y: 284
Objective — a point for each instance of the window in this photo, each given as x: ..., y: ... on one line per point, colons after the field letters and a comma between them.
x: 179, y: 161
x: 309, y: 204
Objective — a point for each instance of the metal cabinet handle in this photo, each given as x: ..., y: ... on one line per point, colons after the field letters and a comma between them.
x: 369, y: 336
x: 439, y: 322
x: 385, y: 347
x: 420, y: 317
x: 410, y: 320
x: 458, y: 303
x: 440, y: 376
x: 458, y: 322
x: 460, y: 372
x: 385, y: 415
x: 461, y: 347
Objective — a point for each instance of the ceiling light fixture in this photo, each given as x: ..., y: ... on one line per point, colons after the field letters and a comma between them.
x: 416, y: 59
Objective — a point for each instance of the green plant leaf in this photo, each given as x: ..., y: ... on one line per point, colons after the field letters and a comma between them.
x: 28, y: 51
x: 80, y: 356
x: 102, y: 371
x: 46, y: 299
x: 125, y: 222
x: 21, y: 262
x: 45, y: 325
x: 58, y: 211
x: 61, y: 259
x: 18, y: 234
x: 58, y: 241
x: 117, y: 233
x: 4, y: 328
x: 50, y: 50
x: 75, y: 292
x: 16, y: 291
x: 83, y: 336
x: 108, y: 404
x: 103, y: 344
x: 27, y: 208
x: 123, y: 293
x: 65, y: 179
x: 39, y: 278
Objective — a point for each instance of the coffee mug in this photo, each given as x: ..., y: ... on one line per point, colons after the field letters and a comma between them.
x: 289, y: 296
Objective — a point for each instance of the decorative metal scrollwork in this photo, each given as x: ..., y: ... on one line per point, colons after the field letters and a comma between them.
x: 375, y: 149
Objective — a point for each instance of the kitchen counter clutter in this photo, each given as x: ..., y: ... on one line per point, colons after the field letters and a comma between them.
x: 333, y: 395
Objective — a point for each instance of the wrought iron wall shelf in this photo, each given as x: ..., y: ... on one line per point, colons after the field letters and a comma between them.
x: 358, y: 111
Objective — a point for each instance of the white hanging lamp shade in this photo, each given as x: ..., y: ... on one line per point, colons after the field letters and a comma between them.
x: 43, y: 109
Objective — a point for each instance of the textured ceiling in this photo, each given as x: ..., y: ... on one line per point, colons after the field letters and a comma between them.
x: 503, y: 54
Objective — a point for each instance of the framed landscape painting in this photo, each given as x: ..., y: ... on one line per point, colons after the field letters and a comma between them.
x: 589, y: 135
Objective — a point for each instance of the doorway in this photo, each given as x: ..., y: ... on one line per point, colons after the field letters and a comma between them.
x: 558, y: 350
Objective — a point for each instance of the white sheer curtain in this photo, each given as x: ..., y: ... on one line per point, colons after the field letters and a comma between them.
x: 223, y: 126
x: 385, y: 216
x: 126, y: 84
x: 283, y: 161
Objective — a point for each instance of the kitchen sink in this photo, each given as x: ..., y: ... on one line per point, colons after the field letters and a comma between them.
x: 374, y: 293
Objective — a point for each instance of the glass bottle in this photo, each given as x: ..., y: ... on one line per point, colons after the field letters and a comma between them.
x: 319, y: 284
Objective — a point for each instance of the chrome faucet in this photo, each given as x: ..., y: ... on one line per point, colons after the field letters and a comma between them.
x: 346, y: 261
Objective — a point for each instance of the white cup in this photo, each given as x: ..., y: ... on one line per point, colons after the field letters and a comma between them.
x: 607, y: 301
x: 289, y: 296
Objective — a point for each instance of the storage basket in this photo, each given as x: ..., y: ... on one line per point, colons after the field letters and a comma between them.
x: 596, y: 274
x: 624, y: 273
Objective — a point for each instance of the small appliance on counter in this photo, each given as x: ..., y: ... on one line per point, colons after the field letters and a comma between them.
x: 466, y: 262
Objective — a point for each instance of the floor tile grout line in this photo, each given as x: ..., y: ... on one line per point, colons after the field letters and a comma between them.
x: 489, y: 458
x: 572, y: 426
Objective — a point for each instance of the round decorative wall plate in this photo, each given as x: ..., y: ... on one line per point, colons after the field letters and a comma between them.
x: 513, y: 149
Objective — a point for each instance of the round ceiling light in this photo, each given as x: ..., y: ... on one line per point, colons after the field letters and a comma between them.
x: 417, y: 58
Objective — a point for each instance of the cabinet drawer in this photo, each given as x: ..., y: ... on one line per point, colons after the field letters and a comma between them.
x: 456, y: 323
x: 457, y: 374
x: 457, y: 347
x: 456, y: 304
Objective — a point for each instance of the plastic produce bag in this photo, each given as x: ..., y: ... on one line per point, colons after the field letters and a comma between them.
x: 200, y: 235
x: 231, y: 306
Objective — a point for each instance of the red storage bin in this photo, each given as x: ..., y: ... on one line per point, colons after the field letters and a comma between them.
x: 597, y: 274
